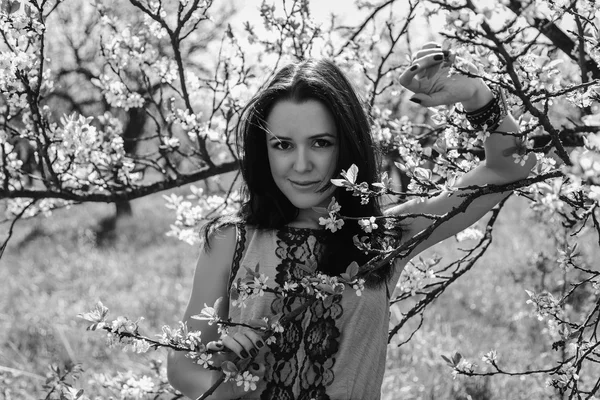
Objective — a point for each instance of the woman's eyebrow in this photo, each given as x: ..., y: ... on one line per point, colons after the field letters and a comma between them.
x: 315, y: 136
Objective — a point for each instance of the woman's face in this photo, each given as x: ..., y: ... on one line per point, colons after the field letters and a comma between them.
x: 302, y: 144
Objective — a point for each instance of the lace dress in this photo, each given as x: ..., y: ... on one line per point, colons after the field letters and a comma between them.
x: 333, y: 350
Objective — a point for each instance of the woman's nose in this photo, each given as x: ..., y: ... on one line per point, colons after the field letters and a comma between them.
x: 302, y: 163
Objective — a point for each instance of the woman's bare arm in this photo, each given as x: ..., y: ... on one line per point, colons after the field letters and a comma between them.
x: 433, y: 85
x: 210, y: 282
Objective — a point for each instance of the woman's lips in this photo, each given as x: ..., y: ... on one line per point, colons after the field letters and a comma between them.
x: 304, y: 185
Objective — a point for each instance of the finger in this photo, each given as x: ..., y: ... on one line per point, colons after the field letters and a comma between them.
x: 257, y: 369
x: 216, y: 345
x: 426, y: 52
x: 255, y: 338
x: 420, y: 68
x: 240, y: 344
x: 235, y: 346
x: 429, y: 60
x: 433, y: 100
x: 246, y: 342
x: 407, y: 79
x: 431, y: 45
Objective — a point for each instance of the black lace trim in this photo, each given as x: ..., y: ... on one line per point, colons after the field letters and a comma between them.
x: 300, y: 362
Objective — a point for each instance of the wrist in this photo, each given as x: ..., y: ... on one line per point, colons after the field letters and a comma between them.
x: 487, y: 117
x: 482, y: 96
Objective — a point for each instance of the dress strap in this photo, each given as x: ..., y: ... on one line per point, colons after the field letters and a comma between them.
x: 240, y: 244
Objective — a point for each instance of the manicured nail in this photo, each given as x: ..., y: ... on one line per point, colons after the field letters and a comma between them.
x: 414, y: 100
x: 414, y: 67
x: 244, y: 354
x: 260, y: 344
x: 255, y: 366
x: 438, y: 57
x: 253, y: 352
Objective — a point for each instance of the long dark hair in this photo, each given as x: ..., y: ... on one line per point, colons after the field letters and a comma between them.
x: 265, y: 206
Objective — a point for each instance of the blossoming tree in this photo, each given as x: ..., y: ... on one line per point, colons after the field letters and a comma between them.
x: 59, y: 147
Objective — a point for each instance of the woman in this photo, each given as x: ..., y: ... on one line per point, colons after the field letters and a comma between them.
x: 297, y: 134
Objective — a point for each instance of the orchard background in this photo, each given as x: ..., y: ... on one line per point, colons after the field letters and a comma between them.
x: 116, y: 123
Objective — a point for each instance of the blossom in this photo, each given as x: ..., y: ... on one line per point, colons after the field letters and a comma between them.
x: 333, y: 207
x: 490, y: 357
x: 123, y: 324
x: 520, y: 159
x: 260, y: 284
x: 97, y: 316
x: 137, y: 346
x: 463, y: 366
x: 545, y: 304
x: 567, y: 256
x: 248, y: 380
x: 594, y: 193
x: 277, y: 327
x: 469, y: 234
x: 289, y: 287
x: 209, y: 313
x: 204, y: 359
x: 359, y: 286
x: 368, y: 225
x: 331, y: 223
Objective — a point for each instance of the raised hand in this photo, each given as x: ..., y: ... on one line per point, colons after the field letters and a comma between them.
x: 244, y: 344
x: 429, y: 77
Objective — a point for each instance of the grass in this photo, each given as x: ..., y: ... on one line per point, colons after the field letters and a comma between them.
x: 56, y: 268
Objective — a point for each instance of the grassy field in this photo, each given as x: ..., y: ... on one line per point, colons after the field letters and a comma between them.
x: 56, y: 268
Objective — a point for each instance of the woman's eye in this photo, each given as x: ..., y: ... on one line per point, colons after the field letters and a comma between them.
x: 281, y: 145
x: 322, y: 143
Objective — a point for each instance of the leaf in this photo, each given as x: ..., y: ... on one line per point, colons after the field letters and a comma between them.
x: 218, y: 302
x: 310, y: 268
x: 456, y: 358
x: 400, y: 166
x: 422, y: 173
x: 228, y: 366
x: 447, y: 360
x: 328, y: 302
x: 14, y: 6
x: 440, y: 146
x: 352, y: 269
x: 249, y: 272
x: 339, y: 182
x: 351, y: 174
x: 321, y: 210
x: 326, y: 288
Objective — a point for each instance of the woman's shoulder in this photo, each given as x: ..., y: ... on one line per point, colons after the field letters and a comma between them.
x: 224, y: 225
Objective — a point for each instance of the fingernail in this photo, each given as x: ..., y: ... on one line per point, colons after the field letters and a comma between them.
x: 438, y: 57
x: 414, y: 100
x: 253, y: 352
x: 255, y: 366
x: 414, y: 67
x: 260, y: 344
x: 244, y: 354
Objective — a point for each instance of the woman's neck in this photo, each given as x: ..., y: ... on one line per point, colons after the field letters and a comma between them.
x: 306, y: 219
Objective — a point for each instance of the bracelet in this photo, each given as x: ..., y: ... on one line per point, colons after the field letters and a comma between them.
x: 490, y: 116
